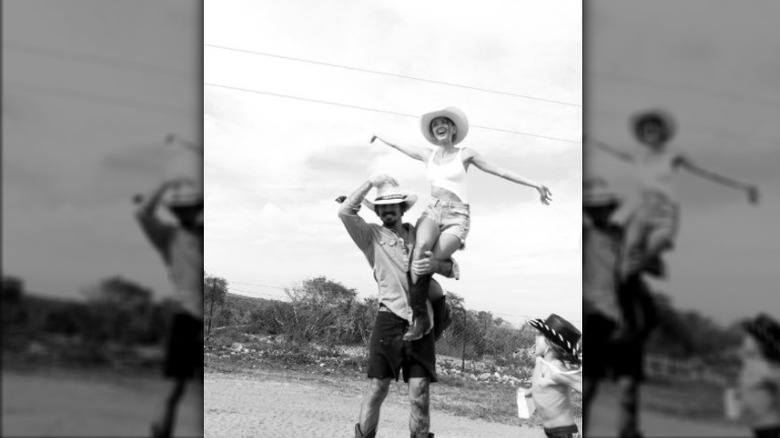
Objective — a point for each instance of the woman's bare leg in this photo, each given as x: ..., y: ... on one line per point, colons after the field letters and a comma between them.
x: 445, y: 246
x: 427, y: 235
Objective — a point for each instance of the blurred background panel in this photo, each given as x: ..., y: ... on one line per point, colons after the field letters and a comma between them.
x: 91, y: 91
x: 712, y: 66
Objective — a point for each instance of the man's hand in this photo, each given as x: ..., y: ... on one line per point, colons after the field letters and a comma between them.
x: 425, y: 265
x: 383, y: 179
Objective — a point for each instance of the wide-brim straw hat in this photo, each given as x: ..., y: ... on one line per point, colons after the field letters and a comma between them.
x: 766, y: 331
x: 660, y: 116
x: 183, y: 196
x: 597, y: 193
x: 560, y: 332
x: 387, y: 194
x: 457, y: 116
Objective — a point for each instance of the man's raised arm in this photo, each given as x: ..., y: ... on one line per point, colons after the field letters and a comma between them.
x: 358, y: 229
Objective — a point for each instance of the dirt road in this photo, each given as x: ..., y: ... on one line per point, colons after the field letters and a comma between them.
x: 276, y: 403
x: 604, y: 422
x: 77, y: 403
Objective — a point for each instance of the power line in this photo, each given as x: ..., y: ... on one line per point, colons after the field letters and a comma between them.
x: 253, y: 293
x: 363, y: 70
x: 695, y: 127
x: 363, y: 108
x: 691, y: 89
x: 260, y: 285
x: 510, y: 315
x: 90, y: 58
x: 90, y: 97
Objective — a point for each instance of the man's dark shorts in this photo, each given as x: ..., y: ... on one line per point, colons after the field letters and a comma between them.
x: 562, y: 432
x: 608, y: 357
x: 388, y: 354
x: 184, y: 355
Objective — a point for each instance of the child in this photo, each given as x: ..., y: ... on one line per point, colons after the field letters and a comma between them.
x: 557, y: 348
x: 758, y: 392
x: 445, y: 223
x: 656, y: 212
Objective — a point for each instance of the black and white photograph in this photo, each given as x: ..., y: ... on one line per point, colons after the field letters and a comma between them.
x: 680, y: 206
x: 392, y: 197
x: 102, y: 206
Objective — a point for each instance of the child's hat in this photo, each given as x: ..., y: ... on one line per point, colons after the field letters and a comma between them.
x: 656, y: 115
x: 767, y: 332
x: 560, y: 332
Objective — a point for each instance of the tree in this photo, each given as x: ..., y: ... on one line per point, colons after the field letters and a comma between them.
x: 322, y: 309
x: 215, y: 290
x: 322, y: 290
x: 120, y: 310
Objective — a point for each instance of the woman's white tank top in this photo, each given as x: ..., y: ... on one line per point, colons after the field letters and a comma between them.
x: 450, y: 176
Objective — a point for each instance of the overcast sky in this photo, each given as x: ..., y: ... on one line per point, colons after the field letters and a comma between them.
x: 274, y: 164
x: 90, y: 90
x: 715, y: 66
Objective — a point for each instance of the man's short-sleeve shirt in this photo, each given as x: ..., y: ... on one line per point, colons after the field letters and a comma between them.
x: 388, y: 254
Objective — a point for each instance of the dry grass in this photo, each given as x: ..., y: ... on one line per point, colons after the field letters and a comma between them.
x: 689, y: 400
x: 494, y: 402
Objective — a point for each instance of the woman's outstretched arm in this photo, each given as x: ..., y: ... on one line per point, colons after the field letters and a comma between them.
x: 751, y: 190
x: 488, y: 166
x: 617, y: 153
x: 418, y: 153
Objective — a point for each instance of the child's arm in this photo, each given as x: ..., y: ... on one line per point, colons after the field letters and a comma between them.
x: 572, y: 380
x: 552, y: 375
x: 418, y: 153
x: 686, y: 163
x: 617, y: 153
x: 487, y: 166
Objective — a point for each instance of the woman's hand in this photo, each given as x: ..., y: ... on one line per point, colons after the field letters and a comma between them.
x: 752, y: 193
x: 376, y: 137
x: 545, y: 194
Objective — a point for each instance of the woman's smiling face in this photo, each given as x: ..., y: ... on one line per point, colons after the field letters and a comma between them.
x: 442, y: 128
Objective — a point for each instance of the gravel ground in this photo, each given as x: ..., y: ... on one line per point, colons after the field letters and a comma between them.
x: 100, y: 404
x: 604, y: 421
x: 284, y: 403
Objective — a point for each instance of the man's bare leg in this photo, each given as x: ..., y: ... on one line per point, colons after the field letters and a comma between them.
x: 369, y: 411
x: 629, y: 408
x: 419, y: 398
x: 164, y: 428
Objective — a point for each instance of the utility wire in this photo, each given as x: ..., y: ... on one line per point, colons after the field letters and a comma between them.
x: 363, y: 70
x: 694, y: 127
x: 90, y: 97
x: 90, y: 58
x: 363, y: 108
x: 259, y: 285
x: 689, y: 88
x: 511, y: 315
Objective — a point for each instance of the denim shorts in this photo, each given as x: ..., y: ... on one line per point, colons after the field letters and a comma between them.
x: 451, y: 217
